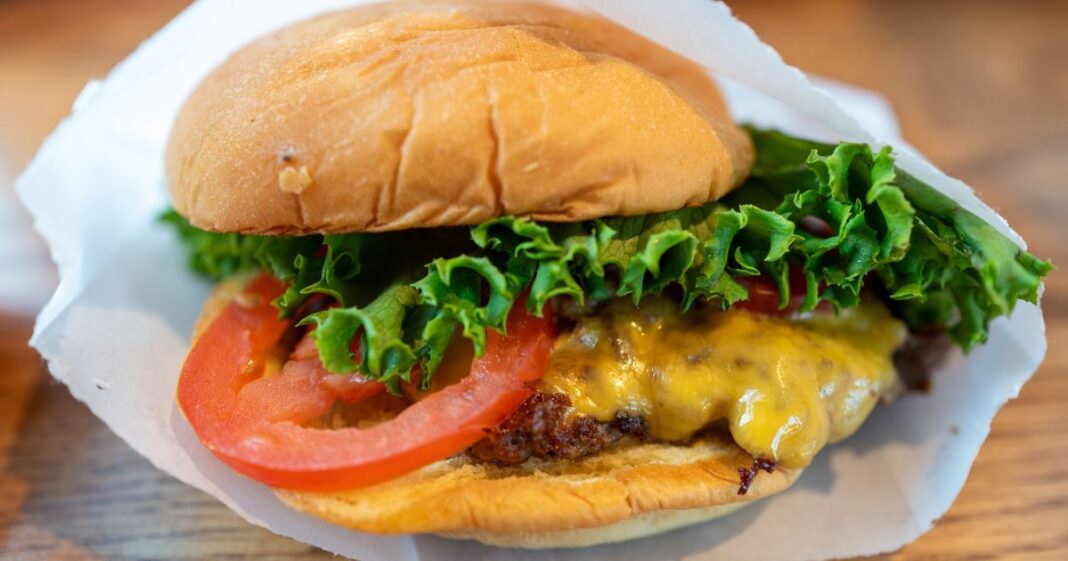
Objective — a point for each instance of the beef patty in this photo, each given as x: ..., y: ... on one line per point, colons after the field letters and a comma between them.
x: 546, y: 425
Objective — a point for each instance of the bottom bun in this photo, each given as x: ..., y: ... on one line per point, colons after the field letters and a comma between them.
x: 632, y: 491
x: 640, y: 526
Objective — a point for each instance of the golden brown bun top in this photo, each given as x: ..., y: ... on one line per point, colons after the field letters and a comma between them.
x: 419, y: 114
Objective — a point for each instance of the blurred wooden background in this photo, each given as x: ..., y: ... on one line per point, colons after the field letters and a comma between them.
x: 981, y: 89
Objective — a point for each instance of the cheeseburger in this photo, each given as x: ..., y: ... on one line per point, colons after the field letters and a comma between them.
x: 511, y: 273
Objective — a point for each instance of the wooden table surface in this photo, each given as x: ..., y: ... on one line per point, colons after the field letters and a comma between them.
x: 981, y: 88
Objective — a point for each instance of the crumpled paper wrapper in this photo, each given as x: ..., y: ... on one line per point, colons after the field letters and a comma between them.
x: 117, y: 328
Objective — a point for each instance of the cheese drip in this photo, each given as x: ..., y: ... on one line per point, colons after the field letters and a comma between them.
x: 786, y: 387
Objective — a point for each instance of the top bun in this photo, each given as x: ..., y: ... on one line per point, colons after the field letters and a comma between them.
x: 420, y: 114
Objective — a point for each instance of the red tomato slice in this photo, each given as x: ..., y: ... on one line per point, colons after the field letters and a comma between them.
x: 764, y: 295
x: 351, y: 388
x: 253, y: 423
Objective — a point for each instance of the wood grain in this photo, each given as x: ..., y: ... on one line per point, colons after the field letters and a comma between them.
x: 981, y: 88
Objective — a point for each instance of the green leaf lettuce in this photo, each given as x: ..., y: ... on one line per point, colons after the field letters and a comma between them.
x: 840, y: 215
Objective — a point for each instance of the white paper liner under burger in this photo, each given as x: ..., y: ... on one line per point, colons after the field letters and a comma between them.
x: 117, y: 329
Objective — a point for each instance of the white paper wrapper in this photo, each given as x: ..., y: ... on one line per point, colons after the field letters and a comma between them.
x: 118, y: 326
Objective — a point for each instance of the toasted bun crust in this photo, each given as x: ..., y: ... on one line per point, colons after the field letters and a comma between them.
x: 640, y: 526
x: 625, y: 493
x: 406, y: 115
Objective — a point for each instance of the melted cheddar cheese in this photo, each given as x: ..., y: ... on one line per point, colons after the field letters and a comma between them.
x: 786, y: 387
